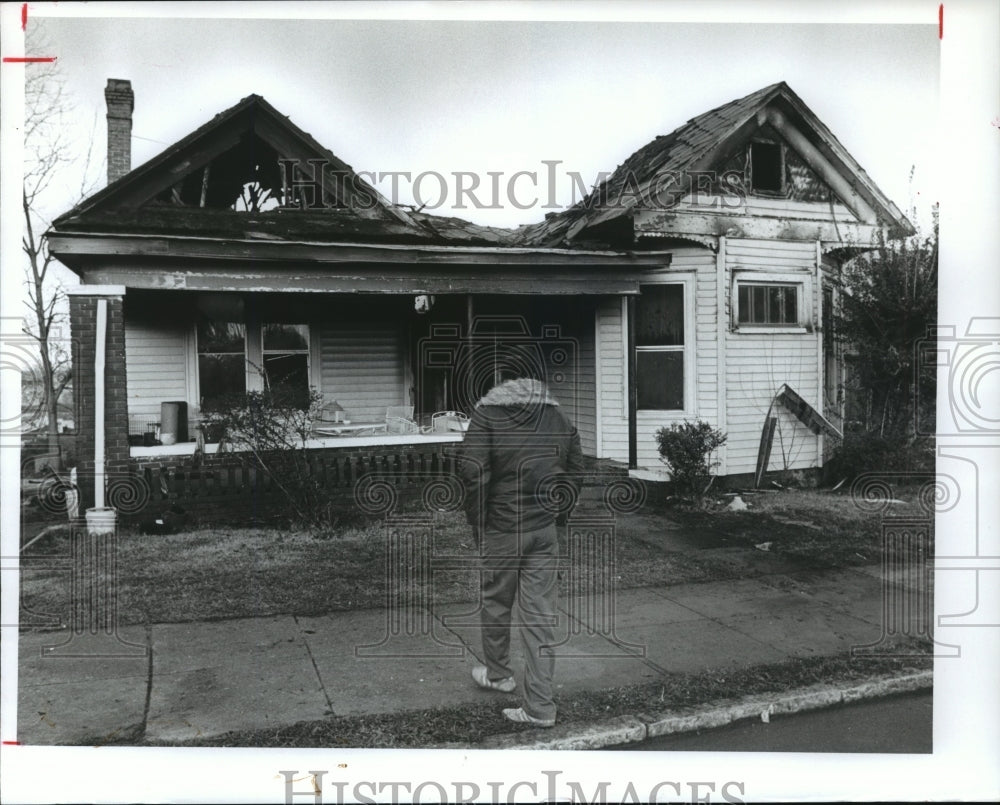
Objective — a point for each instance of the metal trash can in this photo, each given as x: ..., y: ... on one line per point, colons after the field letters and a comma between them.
x: 173, y: 422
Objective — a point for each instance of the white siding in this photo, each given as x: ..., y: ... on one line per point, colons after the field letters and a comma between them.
x: 362, y: 368
x: 699, y: 263
x: 758, y: 363
x: 156, y: 365
x: 610, y: 339
x: 586, y: 386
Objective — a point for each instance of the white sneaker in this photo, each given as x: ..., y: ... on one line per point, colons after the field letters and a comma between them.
x: 517, y: 714
x: 481, y: 674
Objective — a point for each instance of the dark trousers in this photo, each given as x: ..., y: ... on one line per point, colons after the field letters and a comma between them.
x: 522, y: 565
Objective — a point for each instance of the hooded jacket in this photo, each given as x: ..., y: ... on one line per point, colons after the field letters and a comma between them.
x: 518, y: 443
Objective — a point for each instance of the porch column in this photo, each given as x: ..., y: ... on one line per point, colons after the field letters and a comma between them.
x: 83, y: 313
x: 633, y: 441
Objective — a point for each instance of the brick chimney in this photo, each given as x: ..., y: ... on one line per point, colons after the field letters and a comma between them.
x: 121, y: 101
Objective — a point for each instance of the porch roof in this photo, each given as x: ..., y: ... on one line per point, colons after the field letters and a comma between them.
x: 251, y: 264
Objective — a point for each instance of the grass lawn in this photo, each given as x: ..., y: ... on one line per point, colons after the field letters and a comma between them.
x: 221, y: 573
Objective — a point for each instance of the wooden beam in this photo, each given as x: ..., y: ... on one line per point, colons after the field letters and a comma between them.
x: 633, y: 441
x: 204, y: 183
x: 806, y: 414
x: 764, y: 451
x: 828, y: 173
x: 143, y: 187
x: 387, y: 279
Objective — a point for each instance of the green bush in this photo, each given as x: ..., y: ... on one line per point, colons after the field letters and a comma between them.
x: 686, y: 448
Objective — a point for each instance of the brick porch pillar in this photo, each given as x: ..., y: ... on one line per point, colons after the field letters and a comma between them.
x: 83, y: 306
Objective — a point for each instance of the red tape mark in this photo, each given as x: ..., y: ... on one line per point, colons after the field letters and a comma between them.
x: 941, y: 21
x: 27, y: 59
x: 24, y: 16
x: 11, y: 743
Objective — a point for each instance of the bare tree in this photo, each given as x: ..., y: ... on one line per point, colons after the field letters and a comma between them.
x: 48, y: 161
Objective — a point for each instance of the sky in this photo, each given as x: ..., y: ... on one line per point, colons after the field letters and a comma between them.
x: 481, y: 96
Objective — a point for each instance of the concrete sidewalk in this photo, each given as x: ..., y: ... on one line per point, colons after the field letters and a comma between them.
x: 204, y: 679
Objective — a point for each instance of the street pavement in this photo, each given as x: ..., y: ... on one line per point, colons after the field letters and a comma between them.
x: 888, y: 725
x: 176, y: 681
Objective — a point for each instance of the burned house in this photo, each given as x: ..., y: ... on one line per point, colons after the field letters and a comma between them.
x: 691, y: 284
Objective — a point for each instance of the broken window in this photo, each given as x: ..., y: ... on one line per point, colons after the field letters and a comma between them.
x: 659, y: 343
x: 221, y: 360
x: 767, y: 167
x: 286, y: 361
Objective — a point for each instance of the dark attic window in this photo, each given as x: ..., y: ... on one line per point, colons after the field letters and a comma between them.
x: 767, y: 169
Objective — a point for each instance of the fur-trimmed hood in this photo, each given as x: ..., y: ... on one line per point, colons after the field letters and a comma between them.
x: 522, y: 391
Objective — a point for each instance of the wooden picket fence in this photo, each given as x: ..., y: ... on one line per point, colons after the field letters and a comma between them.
x: 224, y: 488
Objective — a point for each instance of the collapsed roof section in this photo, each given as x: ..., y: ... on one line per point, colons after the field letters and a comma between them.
x: 250, y: 173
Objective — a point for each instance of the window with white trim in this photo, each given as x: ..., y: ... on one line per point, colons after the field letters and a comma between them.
x: 659, y: 345
x: 774, y: 302
x: 768, y: 303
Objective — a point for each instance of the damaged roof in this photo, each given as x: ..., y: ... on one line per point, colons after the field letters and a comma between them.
x: 162, y: 195
x: 189, y: 188
x: 700, y: 144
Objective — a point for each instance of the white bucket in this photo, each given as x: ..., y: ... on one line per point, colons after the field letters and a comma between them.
x: 101, y: 521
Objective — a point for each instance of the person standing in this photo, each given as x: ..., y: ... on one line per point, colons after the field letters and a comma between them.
x: 518, y: 442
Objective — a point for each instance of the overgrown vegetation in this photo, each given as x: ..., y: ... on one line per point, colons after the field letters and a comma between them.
x: 686, y: 448
x: 888, y: 307
x: 268, y: 430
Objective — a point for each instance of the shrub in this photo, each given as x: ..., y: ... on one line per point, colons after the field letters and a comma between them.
x: 686, y: 449
x: 268, y: 430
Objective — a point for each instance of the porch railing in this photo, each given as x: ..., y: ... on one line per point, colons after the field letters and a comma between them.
x: 222, y: 486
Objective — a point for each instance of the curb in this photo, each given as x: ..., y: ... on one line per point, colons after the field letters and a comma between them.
x: 641, y: 726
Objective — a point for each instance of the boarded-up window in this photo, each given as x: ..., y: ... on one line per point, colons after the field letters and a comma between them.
x: 659, y: 339
x: 221, y: 360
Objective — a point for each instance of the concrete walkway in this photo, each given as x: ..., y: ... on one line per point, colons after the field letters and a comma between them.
x: 188, y: 680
